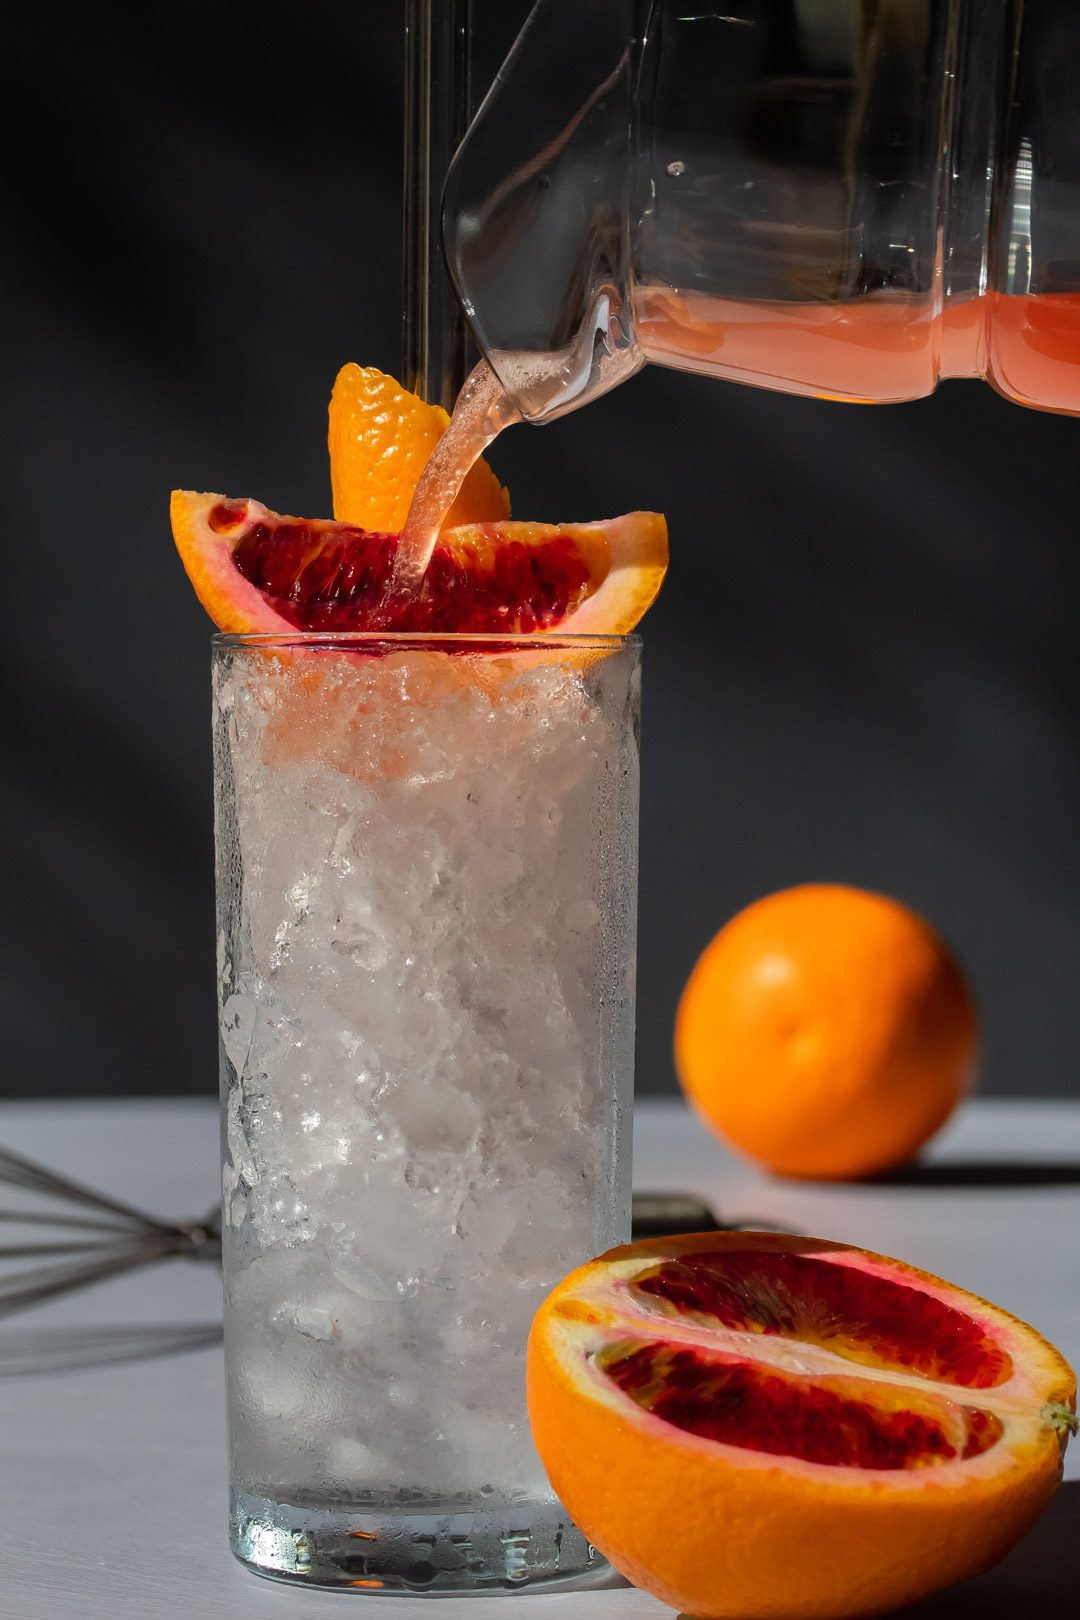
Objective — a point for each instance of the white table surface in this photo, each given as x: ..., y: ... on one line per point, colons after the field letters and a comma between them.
x: 112, y: 1488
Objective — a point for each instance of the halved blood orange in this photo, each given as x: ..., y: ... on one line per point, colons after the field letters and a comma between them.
x: 752, y: 1425
x: 254, y: 571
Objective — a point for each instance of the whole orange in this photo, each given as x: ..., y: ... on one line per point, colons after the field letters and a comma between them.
x: 826, y: 1032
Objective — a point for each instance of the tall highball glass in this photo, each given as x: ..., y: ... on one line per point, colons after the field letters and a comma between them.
x: 427, y: 854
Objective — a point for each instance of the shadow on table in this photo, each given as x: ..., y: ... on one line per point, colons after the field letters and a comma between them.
x: 978, y: 1173
x: 57, y: 1350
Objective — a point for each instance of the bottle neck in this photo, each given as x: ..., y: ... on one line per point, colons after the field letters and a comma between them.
x: 977, y: 55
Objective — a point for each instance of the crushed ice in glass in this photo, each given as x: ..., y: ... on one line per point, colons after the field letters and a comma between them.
x: 425, y: 969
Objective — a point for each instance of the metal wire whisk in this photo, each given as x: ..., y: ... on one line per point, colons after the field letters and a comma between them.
x: 107, y: 1236
x: 101, y: 1237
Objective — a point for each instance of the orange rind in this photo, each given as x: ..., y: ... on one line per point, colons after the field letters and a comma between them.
x: 380, y: 439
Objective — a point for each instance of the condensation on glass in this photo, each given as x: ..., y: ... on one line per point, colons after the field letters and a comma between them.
x: 426, y: 911
x: 845, y: 198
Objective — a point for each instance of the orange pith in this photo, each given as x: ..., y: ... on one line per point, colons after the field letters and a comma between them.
x: 826, y: 1032
x: 380, y: 439
x: 254, y: 571
x: 752, y: 1425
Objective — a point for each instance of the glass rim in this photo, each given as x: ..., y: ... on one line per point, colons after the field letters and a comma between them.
x: 513, y: 641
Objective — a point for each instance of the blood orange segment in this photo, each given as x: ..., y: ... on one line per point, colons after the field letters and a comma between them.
x: 256, y: 571
x: 759, y: 1425
x: 824, y: 1420
x: 807, y: 1299
x: 380, y: 438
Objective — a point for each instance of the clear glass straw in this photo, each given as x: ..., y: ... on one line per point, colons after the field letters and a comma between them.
x: 435, y: 338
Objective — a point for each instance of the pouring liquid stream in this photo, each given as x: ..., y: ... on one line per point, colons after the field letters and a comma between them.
x: 482, y: 410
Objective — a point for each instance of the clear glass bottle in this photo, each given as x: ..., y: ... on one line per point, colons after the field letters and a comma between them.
x: 850, y: 199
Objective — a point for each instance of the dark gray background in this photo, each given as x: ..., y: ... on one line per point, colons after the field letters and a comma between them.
x: 863, y: 666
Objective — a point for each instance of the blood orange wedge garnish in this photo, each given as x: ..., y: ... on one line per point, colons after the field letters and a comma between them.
x: 254, y: 571
x: 380, y: 438
x: 752, y: 1425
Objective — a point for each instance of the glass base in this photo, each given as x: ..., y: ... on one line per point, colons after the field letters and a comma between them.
x: 415, y: 1547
